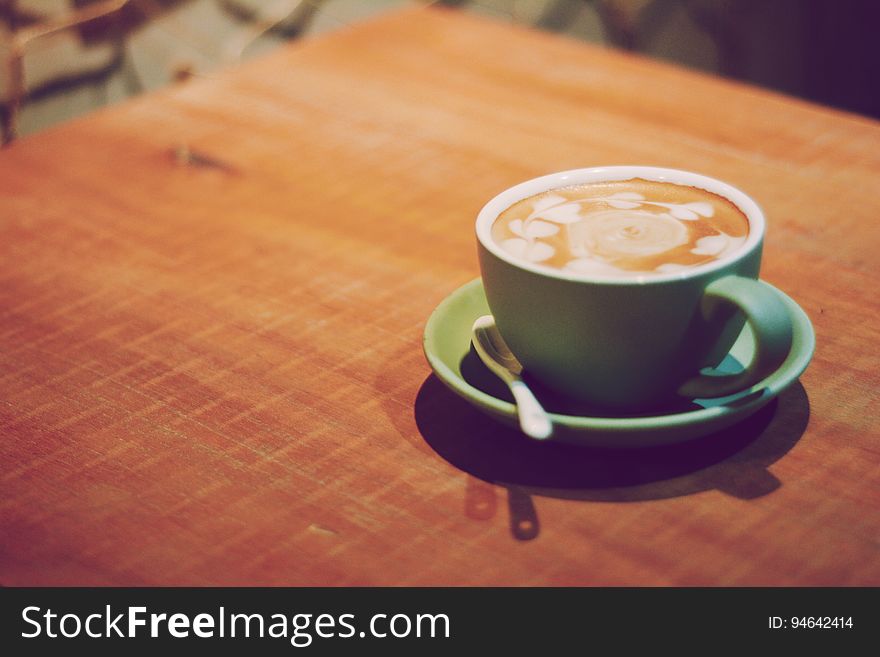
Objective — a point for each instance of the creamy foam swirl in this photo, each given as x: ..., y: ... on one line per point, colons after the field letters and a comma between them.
x: 610, y: 234
x: 621, y: 228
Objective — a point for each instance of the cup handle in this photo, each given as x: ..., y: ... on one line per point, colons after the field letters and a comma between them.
x: 771, y: 326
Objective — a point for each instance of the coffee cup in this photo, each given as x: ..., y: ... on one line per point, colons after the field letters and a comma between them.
x: 622, y: 287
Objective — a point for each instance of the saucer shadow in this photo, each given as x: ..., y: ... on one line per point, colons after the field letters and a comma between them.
x: 734, y: 460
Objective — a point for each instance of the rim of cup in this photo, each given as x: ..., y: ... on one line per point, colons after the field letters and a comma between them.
x: 511, y: 195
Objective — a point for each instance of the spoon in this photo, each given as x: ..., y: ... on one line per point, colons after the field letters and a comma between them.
x: 496, y: 355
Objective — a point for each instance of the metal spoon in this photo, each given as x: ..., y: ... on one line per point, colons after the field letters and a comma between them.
x: 496, y: 355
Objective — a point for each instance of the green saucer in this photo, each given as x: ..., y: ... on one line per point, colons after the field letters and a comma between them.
x: 447, y: 344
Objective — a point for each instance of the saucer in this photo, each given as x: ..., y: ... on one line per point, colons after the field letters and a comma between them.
x: 447, y: 345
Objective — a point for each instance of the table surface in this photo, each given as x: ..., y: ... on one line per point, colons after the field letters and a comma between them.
x: 212, y: 302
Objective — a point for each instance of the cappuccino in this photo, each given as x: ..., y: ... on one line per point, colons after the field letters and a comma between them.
x: 626, y: 228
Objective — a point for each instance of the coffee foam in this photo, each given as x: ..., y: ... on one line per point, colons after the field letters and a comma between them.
x: 621, y: 228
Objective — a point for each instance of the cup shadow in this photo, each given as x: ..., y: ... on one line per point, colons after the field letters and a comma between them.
x: 491, y: 455
x: 734, y: 460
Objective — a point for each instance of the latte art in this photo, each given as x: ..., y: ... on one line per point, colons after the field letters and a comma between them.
x: 622, y: 228
x: 613, y: 233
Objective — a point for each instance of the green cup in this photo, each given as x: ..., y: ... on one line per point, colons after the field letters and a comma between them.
x: 634, y: 343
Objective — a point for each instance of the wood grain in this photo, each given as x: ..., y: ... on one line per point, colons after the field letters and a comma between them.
x: 212, y: 300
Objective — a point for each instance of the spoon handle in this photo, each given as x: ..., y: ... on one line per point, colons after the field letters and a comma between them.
x: 533, y: 418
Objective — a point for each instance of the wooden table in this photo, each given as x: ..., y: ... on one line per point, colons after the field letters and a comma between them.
x: 211, y: 311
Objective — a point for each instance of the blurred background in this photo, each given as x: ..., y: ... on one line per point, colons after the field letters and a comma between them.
x: 63, y: 58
